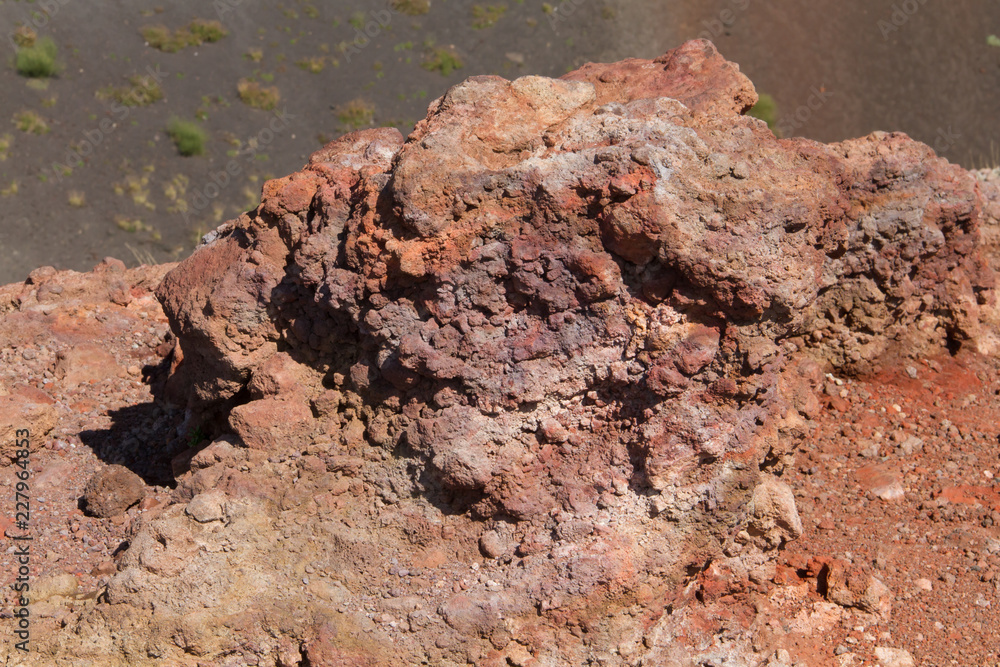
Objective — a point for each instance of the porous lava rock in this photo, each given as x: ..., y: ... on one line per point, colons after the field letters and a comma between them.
x: 618, y: 251
x: 515, y: 389
x: 562, y: 306
x: 112, y: 491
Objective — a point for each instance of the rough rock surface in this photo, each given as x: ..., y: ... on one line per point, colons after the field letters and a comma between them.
x: 112, y: 491
x: 526, y: 387
x: 25, y: 408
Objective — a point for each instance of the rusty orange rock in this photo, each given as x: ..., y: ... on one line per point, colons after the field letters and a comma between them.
x: 576, y: 315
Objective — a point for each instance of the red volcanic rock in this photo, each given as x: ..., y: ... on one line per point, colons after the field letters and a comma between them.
x: 271, y: 423
x: 332, y: 647
x: 26, y: 415
x: 852, y: 586
x: 86, y: 363
x: 694, y: 73
x: 112, y: 491
x: 279, y: 375
x: 564, y: 324
x: 881, y: 482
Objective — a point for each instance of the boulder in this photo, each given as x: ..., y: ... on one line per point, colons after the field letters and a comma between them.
x: 113, y: 490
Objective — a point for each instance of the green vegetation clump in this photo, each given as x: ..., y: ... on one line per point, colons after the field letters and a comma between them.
x: 206, y: 31
x: 441, y: 60
x: 129, y: 225
x: 313, y: 64
x: 188, y: 136
x: 24, y: 37
x: 195, y: 33
x: 160, y: 38
x: 766, y: 110
x: 176, y: 192
x: 4, y: 146
x: 356, y: 114
x: 411, y: 7
x: 196, y: 436
x: 133, y: 226
x: 486, y: 17
x: 257, y: 96
x: 144, y: 90
x: 37, y: 61
x: 137, y: 187
x: 29, y: 121
x: 76, y: 199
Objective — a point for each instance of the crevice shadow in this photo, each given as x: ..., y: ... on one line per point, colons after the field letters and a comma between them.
x: 143, y: 437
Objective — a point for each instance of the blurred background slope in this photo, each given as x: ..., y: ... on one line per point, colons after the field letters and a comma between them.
x: 132, y: 128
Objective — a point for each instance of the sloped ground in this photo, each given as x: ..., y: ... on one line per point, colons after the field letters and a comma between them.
x: 943, y: 529
x: 933, y: 76
x: 367, y: 70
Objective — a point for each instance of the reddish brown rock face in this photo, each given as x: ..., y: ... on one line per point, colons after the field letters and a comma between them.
x: 559, y: 300
x: 599, y: 250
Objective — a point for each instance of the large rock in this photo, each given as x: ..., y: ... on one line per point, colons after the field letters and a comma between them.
x: 588, y: 250
x: 774, y: 520
x: 113, y: 490
x: 566, y: 319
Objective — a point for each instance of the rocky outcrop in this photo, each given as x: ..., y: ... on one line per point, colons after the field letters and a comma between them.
x: 503, y: 392
x: 543, y: 253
